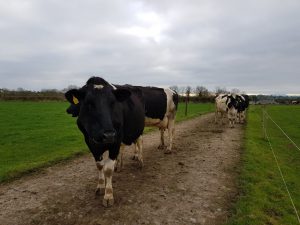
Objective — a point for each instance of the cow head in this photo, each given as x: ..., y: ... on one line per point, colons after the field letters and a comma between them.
x: 74, y: 107
x: 100, y: 112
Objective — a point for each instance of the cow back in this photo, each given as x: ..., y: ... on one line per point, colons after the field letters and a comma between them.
x: 155, y: 102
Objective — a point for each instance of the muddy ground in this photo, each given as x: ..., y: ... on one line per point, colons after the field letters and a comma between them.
x: 197, y: 184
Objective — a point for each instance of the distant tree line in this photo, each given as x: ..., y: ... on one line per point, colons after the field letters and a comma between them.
x: 186, y: 94
x: 28, y: 95
x: 25, y: 95
x: 197, y: 94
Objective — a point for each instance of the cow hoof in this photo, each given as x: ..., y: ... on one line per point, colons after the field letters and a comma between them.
x: 168, y: 151
x: 118, y: 169
x: 135, y: 158
x: 161, y: 147
x: 108, y: 202
x: 99, y: 191
x: 141, y: 164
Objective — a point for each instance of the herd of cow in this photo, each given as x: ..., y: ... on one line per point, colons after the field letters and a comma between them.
x: 112, y: 116
x: 232, y: 105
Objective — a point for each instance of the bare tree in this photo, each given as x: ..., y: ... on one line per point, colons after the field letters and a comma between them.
x: 181, y: 90
x: 221, y: 90
x: 188, y: 90
x: 201, y: 91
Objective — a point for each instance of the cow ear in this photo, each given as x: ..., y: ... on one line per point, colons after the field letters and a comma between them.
x: 121, y: 94
x: 74, y: 96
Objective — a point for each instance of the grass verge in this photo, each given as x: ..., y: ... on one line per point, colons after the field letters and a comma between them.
x: 38, y: 134
x: 263, y: 198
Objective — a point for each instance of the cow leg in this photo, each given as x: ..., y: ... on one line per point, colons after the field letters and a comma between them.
x: 234, y: 120
x: 222, y: 118
x: 230, y: 123
x: 231, y: 120
x: 216, y: 117
x: 136, y: 151
x: 162, y: 140
x: 119, y: 162
x: 101, y: 180
x: 139, y: 145
x: 243, y: 117
x: 108, y: 199
x: 171, y: 131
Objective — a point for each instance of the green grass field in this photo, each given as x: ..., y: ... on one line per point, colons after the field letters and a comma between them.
x: 37, y: 134
x: 263, y: 198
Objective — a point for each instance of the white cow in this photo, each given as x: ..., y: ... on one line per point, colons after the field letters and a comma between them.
x: 226, y: 104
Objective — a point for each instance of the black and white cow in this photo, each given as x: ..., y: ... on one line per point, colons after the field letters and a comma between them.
x: 108, y: 117
x: 160, y: 108
x: 160, y: 111
x: 226, y: 104
x: 74, y: 110
x: 242, y: 105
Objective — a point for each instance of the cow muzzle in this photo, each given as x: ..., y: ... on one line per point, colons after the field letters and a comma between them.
x: 109, y: 137
x: 72, y: 112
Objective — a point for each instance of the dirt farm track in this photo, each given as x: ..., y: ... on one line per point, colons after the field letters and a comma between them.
x: 194, y: 185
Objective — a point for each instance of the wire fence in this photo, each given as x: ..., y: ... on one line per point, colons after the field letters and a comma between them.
x: 265, y: 117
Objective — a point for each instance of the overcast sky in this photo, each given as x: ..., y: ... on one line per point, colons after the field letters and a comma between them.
x: 251, y: 45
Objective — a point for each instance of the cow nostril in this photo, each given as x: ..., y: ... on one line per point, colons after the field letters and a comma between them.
x: 109, y: 134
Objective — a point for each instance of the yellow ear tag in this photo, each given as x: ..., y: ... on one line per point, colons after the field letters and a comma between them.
x: 75, y: 100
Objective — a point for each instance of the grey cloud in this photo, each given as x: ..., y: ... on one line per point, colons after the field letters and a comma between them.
x: 253, y: 45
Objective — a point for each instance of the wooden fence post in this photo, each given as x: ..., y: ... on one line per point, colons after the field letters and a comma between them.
x: 187, y: 99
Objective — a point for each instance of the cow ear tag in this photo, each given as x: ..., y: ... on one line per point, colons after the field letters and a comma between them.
x: 75, y: 100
